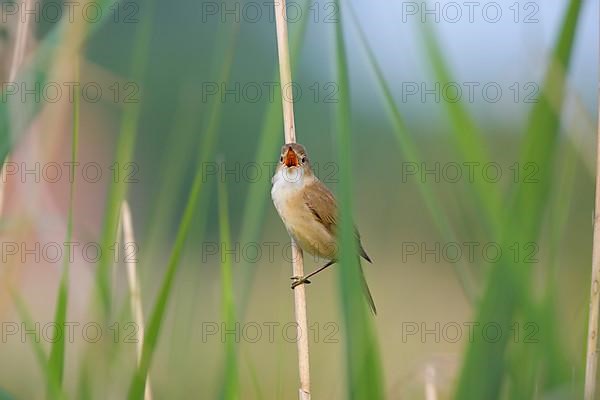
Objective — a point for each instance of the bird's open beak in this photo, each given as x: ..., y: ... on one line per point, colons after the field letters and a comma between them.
x: 290, y: 159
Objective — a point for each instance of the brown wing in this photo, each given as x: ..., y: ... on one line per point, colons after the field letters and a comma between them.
x: 322, y: 204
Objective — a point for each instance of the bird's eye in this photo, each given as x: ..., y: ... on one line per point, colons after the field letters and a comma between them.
x: 281, y: 158
x: 303, y: 159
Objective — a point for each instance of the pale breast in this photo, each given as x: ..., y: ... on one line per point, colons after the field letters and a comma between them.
x: 300, y: 222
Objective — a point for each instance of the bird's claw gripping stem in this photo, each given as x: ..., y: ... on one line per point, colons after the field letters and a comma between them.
x: 298, y: 280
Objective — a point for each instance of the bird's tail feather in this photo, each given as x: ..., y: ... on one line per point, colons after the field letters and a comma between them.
x: 366, y: 290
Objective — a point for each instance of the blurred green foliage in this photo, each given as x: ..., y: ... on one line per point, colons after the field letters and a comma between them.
x: 178, y: 130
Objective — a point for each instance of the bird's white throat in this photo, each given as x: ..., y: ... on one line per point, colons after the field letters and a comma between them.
x: 286, y: 182
x: 288, y: 178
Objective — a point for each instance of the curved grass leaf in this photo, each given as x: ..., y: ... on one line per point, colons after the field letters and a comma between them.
x: 38, y: 350
x: 15, y: 116
x: 254, y: 378
x: 468, y: 139
x: 364, y: 378
x: 57, y: 352
x: 484, y: 364
x: 4, y: 395
x: 117, y: 190
x: 411, y: 154
x: 136, y: 388
x: 230, y: 386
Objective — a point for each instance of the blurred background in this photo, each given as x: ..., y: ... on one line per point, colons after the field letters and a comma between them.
x: 472, y: 171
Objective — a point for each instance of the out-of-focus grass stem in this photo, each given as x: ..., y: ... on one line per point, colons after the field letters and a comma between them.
x: 136, y: 388
x: 411, y: 153
x: 229, y: 389
x: 57, y: 352
x: 135, y: 299
x: 125, y: 146
x: 20, y: 42
x: 364, y: 377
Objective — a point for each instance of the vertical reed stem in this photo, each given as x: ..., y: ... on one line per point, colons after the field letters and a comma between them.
x: 134, y: 287
x: 17, y: 59
x: 3, y: 184
x: 285, y: 74
x: 20, y: 42
x: 430, y: 392
x: 592, y: 352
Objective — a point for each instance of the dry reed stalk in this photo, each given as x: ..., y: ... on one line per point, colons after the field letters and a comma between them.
x: 591, y: 364
x: 285, y: 75
x: 20, y: 42
x: 2, y: 184
x: 17, y: 60
x: 134, y: 287
x: 430, y: 392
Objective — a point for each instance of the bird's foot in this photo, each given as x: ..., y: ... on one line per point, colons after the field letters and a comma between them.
x: 298, y: 280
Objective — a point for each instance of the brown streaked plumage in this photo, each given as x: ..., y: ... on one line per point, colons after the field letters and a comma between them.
x: 309, y: 211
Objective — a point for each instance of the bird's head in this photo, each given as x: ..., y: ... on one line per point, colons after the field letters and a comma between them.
x: 293, y: 163
x: 293, y: 155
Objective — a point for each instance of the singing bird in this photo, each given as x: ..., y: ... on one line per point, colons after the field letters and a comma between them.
x: 309, y: 212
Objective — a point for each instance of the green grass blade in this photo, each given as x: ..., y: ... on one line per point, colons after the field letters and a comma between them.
x: 222, y: 65
x: 411, y: 153
x: 4, y: 395
x: 186, y: 308
x: 38, y: 350
x: 468, y: 139
x: 176, y: 158
x: 57, y: 352
x: 138, y: 382
x: 483, y: 367
x: 84, y: 384
x: 179, y: 155
x: 258, y: 395
x: 124, y: 153
x: 229, y: 388
x: 25, y: 315
x: 364, y: 378
x: 136, y: 389
x: 540, y: 142
x: 209, y: 140
x: 557, y: 372
x: 15, y: 116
